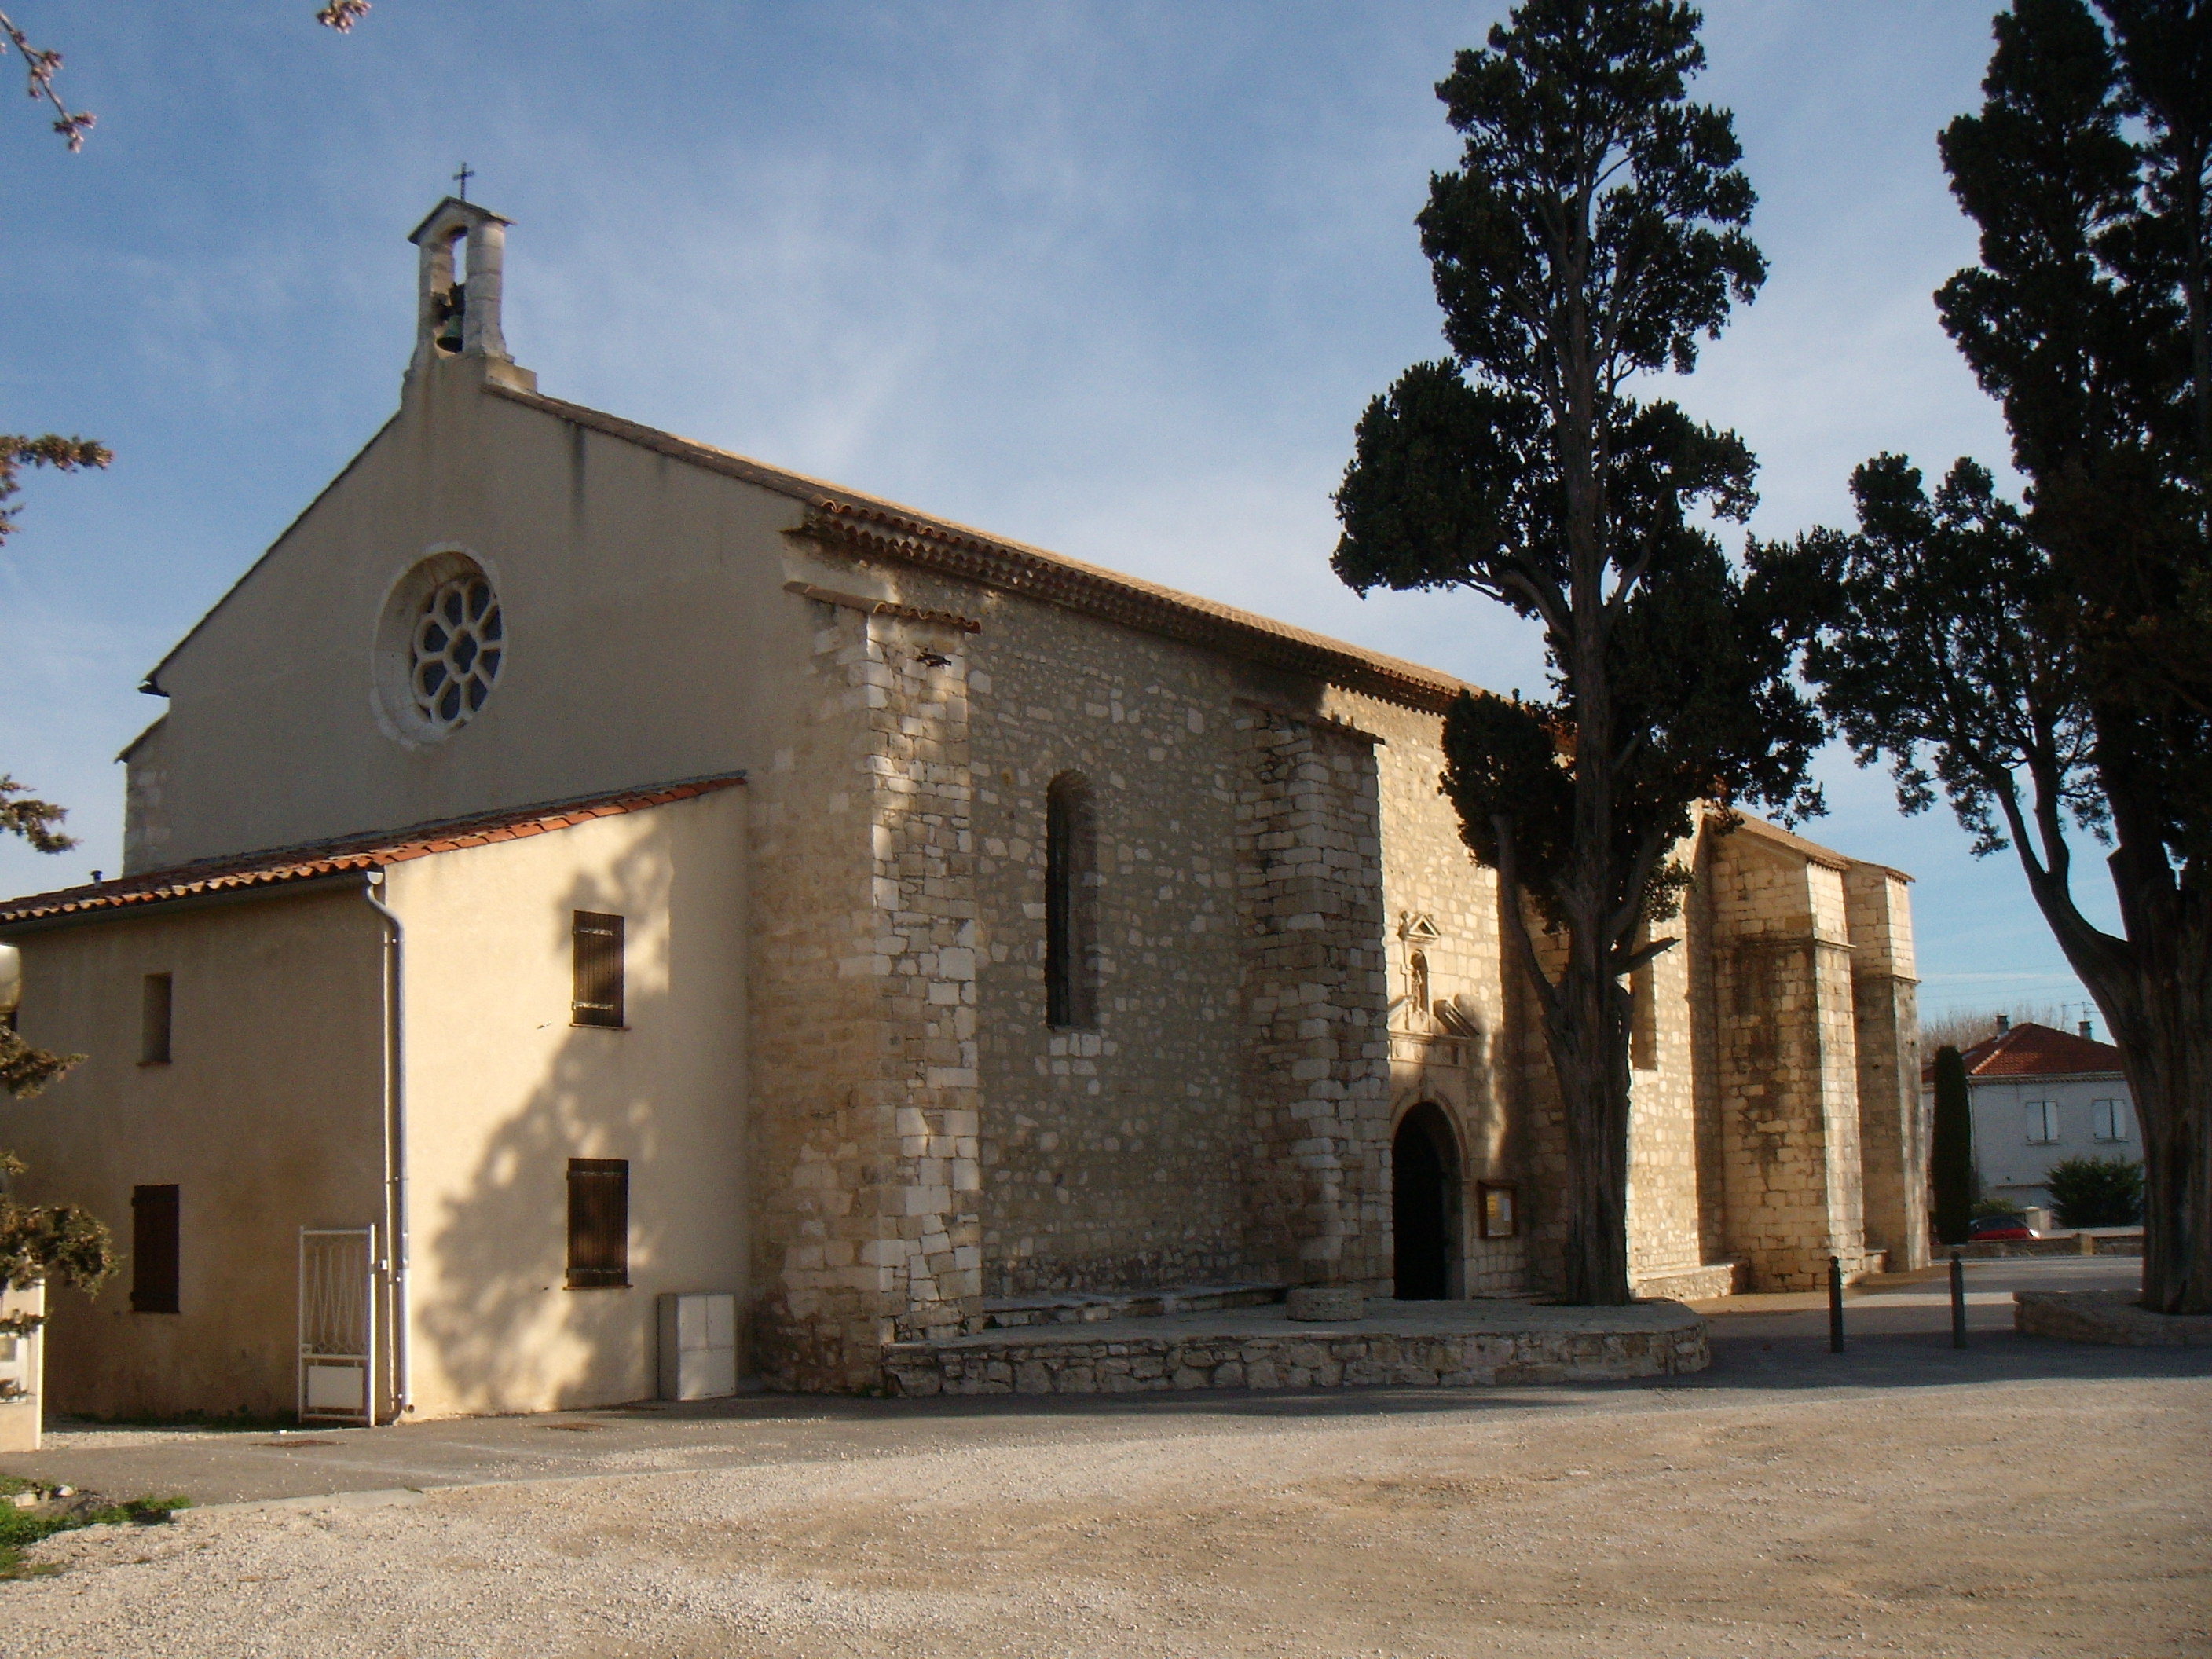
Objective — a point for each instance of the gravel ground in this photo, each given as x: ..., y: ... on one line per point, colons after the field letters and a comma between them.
x: 1770, y: 1509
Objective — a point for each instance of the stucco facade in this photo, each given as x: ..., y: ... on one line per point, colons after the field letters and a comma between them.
x: 2039, y: 1095
x: 845, y: 1097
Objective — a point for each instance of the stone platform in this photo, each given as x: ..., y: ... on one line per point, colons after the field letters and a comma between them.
x: 2109, y: 1316
x: 1396, y: 1345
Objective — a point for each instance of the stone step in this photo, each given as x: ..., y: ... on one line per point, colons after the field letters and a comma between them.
x: 1699, y: 1284
x: 1094, y: 1307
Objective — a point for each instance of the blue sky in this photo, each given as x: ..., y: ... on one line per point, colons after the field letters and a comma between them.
x: 1116, y: 279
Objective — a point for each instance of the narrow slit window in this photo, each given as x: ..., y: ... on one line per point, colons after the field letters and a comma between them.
x: 599, y: 1222
x: 154, y: 1249
x: 1070, y: 904
x: 596, y: 996
x: 156, y: 999
x: 1643, y: 1020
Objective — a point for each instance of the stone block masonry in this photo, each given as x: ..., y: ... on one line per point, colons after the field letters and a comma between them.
x: 1475, y: 1345
x: 1271, y: 853
x: 1316, y: 1049
x: 867, y: 1118
x: 1788, y: 1062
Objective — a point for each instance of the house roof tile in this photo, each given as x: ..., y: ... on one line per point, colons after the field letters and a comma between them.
x: 2031, y: 1050
x: 333, y: 857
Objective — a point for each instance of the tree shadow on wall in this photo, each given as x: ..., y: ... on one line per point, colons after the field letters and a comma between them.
x: 505, y: 1329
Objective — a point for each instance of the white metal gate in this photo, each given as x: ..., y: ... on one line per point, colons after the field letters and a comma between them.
x: 337, y: 1324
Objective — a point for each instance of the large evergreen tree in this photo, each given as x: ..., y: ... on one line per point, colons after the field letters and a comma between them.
x: 1593, y: 230
x: 2049, y: 666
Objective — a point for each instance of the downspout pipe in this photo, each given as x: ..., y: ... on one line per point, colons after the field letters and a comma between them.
x: 395, y: 1142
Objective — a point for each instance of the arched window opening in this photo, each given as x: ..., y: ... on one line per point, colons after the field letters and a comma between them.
x: 1071, y: 903
x: 1424, y: 1204
x: 1417, y: 991
x: 456, y: 301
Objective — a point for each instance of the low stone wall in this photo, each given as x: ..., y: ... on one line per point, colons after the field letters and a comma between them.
x: 1653, y: 1340
x: 1997, y: 1249
x: 1096, y: 1307
x: 2113, y: 1317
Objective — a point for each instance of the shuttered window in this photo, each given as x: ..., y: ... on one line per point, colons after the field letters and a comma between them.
x: 598, y: 1222
x: 156, y: 997
x: 596, y: 994
x: 153, y: 1249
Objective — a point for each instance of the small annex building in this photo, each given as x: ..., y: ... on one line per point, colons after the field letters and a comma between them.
x: 2039, y: 1095
x: 579, y: 866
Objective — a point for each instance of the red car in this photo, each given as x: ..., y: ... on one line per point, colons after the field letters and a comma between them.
x: 1990, y: 1228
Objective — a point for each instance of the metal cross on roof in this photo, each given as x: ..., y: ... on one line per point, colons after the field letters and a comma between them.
x: 462, y: 178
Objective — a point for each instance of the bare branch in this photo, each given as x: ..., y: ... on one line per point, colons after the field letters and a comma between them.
x: 40, y: 67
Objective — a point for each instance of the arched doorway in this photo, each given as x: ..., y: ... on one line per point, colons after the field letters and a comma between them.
x: 1424, y: 1210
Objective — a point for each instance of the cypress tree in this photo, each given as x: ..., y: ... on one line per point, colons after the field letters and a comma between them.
x: 1592, y: 235
x: 1951, y: 1156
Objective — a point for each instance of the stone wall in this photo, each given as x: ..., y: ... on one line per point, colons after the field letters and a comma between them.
x: 1543, y: 1345
x: 1315, y: 1047
x: 1439, y: 901
x: 1885, y: 1000
x: 1271, y: 851
x: 1666, y: 1231
x: 1122, y: 1156
x: 866, y: 1115
x: 1787, y: 1056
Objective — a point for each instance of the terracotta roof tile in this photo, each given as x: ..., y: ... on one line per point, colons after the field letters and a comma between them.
x: 2031, y: 1050
x: 334, y: 857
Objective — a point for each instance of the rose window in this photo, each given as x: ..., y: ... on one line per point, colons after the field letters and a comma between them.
x: 459, y: 642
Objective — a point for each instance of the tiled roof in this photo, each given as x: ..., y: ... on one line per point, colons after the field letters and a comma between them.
x: 329, y: 857
x: 1810, y: 850
x: 870, y: 524
x: 2031, y: 1050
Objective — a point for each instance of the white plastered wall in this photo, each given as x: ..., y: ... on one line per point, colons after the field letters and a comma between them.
x: 648, y: 638
x: 503, y: 1091
x: 266, y: 1118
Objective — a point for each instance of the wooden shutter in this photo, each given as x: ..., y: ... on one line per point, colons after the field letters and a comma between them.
x: 598, y: 1222
x: 154, y: 1222
x: 596, y: 994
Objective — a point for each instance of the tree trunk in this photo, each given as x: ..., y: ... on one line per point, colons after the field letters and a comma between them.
x: 1589, y: 1044
x: 2154, y: 988
x: 2162, y: 1013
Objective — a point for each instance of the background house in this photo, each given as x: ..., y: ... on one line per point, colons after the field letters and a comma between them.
x: 2040, y: 1096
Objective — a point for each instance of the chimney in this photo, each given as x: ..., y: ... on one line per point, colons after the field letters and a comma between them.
x: 2004, y: 1023
x: 457, y: 291
x: 2086, y: 1032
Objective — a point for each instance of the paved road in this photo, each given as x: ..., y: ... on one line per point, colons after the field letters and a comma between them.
x: 1900, y: 1337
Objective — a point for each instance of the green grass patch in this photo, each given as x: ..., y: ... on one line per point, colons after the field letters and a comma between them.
x: 228, y: 1422
x: 20, y: 1528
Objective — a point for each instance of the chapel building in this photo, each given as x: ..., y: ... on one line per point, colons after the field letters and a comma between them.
x: 579, y: 867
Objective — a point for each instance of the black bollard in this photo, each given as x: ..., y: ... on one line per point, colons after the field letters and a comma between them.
x: 1957, y: 1302
x: 1835, y: 1305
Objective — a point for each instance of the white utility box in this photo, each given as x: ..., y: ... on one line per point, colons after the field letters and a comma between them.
x: 698, y: 1345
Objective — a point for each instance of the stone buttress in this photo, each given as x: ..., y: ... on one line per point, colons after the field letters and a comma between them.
x: 866, y: 1111
x: 1316, y: 1057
